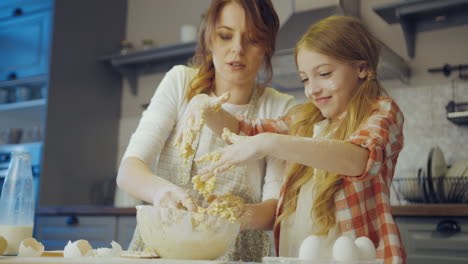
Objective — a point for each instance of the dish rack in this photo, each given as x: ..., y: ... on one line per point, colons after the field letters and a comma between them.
x: 446, y: 189
x: 457, y: 113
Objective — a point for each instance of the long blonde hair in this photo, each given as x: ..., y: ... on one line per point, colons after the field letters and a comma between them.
x: 262, y: 23
x: 345, y: 39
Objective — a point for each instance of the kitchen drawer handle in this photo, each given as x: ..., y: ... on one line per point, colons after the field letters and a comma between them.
x: 72, y: 220
x: 17, y: 12
x: 448, y: 226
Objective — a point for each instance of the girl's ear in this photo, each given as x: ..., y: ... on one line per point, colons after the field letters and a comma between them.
x: 362, y: 69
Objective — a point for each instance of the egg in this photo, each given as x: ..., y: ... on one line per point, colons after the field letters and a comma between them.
x: 3, y: 245
x: 366, y: 248
x: 344, y: 249
x: 79, y: 248
x: 310, y: 248
x: 115, y: 251
x: 30, y: 247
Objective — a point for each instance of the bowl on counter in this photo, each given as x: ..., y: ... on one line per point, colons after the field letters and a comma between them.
x: 181, y: 234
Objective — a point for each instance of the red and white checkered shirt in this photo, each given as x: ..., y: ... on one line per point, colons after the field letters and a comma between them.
x: 363, y: 205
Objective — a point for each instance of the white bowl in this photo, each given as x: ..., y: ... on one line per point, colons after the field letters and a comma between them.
x: 181, y: 234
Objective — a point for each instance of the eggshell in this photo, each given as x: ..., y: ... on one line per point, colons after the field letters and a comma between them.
x: 77, y: 249
x: 3, y: 245
x: 344, y: 249
x: 30, y: 247
x: 310, y: 248
x: 115, y: 251
x: 366, y: 248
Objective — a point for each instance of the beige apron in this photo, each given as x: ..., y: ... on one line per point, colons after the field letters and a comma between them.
x: 251, y: 245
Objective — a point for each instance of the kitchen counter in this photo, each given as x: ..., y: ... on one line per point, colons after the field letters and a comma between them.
x: 58, y: 260
x: 402, y: 210
x: 431, y: 210
x: 85, y: 210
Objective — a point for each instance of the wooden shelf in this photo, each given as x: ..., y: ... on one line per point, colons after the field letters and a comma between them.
x: 158, y: 59
x: 423, y: 15
x: 26, y: 105
x: 40, y: 79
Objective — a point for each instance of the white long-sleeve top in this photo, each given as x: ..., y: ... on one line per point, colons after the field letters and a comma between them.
x: 159, y: 124
x: 300, y: 224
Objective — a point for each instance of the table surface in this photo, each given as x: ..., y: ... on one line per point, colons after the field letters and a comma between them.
x: 402, y: 210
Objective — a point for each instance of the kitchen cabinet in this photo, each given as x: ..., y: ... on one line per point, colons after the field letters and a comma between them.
x: 125, y: 228
x: 25, y: 31
x: 81, y: 114
x: 24, y: 114
x: 434, y: 240
x: 83, y: 105
x: 55, y: 231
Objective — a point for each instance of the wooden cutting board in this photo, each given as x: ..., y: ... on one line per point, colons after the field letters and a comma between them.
x: 95, y: 260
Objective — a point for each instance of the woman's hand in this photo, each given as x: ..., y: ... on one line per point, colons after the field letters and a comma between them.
x: 172, y: 196
x: 241, y: 150
x: 196, y: 109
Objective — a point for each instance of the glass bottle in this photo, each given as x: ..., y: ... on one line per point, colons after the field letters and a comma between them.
x: 17, y: 202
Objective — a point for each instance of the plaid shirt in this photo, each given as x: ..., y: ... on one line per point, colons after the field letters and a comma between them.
x: 363, y: 205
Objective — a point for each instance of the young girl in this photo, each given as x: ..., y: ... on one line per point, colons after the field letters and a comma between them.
x: 343, y: 145
x: 237, y: 40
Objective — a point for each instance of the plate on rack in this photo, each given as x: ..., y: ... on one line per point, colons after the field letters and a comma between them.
x: 456, y: 182
x: 436, y: 169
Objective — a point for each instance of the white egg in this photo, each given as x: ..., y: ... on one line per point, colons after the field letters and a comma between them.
x: 30, y: 247
x: 310, y: 248
x: 366, y: 248
x: 77, y: 249
x: 115, y: 251
x: 344, y: 249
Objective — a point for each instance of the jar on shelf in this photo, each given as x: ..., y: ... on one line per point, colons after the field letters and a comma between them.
x: 126, y: 46
x: 23, y: 93
x: 147, y: 44
x: 4, y: 94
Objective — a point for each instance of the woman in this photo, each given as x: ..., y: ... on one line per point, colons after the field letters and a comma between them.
x: 343, y: 145
x: 236, y: 39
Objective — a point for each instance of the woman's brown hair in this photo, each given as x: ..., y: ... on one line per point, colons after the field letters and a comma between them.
x: 262, y: 23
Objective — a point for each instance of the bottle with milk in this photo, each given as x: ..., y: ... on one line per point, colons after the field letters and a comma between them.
x: 17, y: 202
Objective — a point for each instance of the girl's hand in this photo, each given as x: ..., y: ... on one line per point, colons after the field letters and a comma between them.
x: 242, y: 150
x: 196, y: 110
x: 172, y: 196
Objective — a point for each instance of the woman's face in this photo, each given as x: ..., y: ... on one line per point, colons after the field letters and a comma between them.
x: 328, y: 83
x: 236, y: 56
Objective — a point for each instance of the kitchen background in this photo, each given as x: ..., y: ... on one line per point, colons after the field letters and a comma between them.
x: 422, y: 100
x: 82, y: 83
x: 85, y: 104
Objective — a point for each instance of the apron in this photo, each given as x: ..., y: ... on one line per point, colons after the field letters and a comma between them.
x: 250, y: 245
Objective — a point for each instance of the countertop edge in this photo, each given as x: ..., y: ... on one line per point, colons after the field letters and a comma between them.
x: 85, y: 210
x: 400, y: 210
x: 430, y: 210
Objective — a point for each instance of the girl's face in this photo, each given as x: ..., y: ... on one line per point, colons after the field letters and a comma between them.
x: 328, y: 83
x: 237, y: 57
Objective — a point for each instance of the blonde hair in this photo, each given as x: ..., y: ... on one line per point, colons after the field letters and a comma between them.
x: 262, y: 23
x: 345, y: 39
